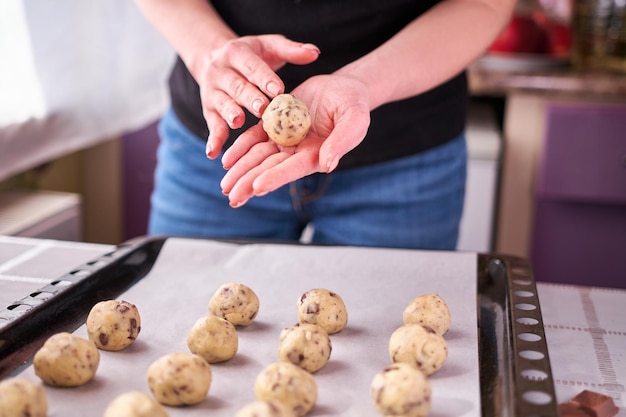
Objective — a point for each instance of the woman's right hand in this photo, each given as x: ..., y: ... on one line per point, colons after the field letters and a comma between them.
x: 241, y: 74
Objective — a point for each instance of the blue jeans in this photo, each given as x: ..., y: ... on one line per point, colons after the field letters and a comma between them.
x: 412, y: 202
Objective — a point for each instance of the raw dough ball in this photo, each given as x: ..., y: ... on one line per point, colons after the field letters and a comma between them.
x: 66, y: 360
x: 401, y: 390
x: 324, y: 308
x: 419, y: 346
x: 289, y: 385
x: 286, y: 120
x: 236, y: 303
x: 135, y: 404
x: 113, y: 325
x: 213, y: 338
x: 265, y: 409
x: 21, y: 397
x: 429, y: 310
x: 305, y: 345
x: 179, y: 379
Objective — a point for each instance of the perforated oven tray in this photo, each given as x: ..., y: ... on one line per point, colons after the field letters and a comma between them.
x: 515, y: 373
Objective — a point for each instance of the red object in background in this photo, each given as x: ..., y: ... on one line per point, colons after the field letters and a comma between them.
x: 559, y: 38
x: 522, y: 35
x: 534, y: 34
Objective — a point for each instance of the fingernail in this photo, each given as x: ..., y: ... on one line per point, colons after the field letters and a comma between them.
x: 208, y: 148
x: 273, y: 88
x: 311, y: 47
x: 332, y: 163
x: 232, y: 116
x: 256, y: 105
x: 237, y: 204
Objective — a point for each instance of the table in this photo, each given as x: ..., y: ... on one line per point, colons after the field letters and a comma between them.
x: 585, y: 326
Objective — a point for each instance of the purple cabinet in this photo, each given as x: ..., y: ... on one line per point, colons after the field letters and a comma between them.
x: 579, y: 229
x: 138, y: 163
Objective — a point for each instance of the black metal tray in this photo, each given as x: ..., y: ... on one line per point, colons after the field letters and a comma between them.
x: 515, y: 373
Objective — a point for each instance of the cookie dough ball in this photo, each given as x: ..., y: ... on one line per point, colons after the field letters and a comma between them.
x: 429, y: 310
x: 289, y: 385
x: 213, y: 338
x: 265, y: 409
x: 305, y: 345
x: 419, y: 346
x: 21, y: 397
x: 324, y: 308
x: 113, y: 325
x: 286, y: 120
x: 135, y: 404
x: 401, y: 390
x: 236, y: 303
x: 66, y: 360
x: 179, y: 379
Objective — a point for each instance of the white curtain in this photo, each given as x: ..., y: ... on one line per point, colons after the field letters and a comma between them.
x: 74, y: 73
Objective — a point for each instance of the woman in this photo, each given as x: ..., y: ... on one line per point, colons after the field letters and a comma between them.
x: 384, y: 163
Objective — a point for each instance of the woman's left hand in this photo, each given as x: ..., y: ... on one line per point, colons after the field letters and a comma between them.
x: 340, y: 117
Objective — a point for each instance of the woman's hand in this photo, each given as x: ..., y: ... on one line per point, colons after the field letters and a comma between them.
x: 340, y: 117
x: 241, y: 74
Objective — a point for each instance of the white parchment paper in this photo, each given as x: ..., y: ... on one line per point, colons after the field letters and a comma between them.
x: 376, y: 285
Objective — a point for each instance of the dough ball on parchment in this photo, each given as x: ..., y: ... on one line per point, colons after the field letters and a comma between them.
x: 21, y: 397
x: 429, y: 310
x: 305, y: 345
x: 236, y: 303
x: 286, y: 120
x: 179, y: 378
x: 66, y: 360
x: 264, y: 409
x: 401, y: 390
x: 289, y: 385
x: 324, y: 308
x: 419, y: 346
x: 135, y: 404
x: 213, y: 338
x: 113, y: 325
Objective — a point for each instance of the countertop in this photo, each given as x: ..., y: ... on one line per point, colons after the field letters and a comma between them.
x: 498, y: 77
x: 585, y: 327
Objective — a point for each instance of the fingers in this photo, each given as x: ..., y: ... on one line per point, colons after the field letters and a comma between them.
x: 277, y: 50
x: 290, y: 169
x: 218, y: 134
x: 243, y: 70
x: 347, y: 134
x: 243, y: 144
x: 228, y: 92
x: 271, y: 173
x: 253, y: 158
x: 251, y: 67
x: 241, y: 75
x: 239, y: 186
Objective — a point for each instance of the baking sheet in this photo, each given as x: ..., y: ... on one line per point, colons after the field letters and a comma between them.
x: 376, y: 285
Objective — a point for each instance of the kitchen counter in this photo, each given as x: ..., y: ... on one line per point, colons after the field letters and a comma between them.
x: 494, y: 79
x: 585, y: 326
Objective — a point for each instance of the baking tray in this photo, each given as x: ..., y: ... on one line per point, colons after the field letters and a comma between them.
x: 514, y: 364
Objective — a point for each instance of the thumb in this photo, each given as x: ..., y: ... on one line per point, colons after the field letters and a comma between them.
x: 286, y: 50
x: 348, y: 133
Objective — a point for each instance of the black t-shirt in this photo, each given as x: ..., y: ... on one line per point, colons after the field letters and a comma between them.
x: 344, y: 30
